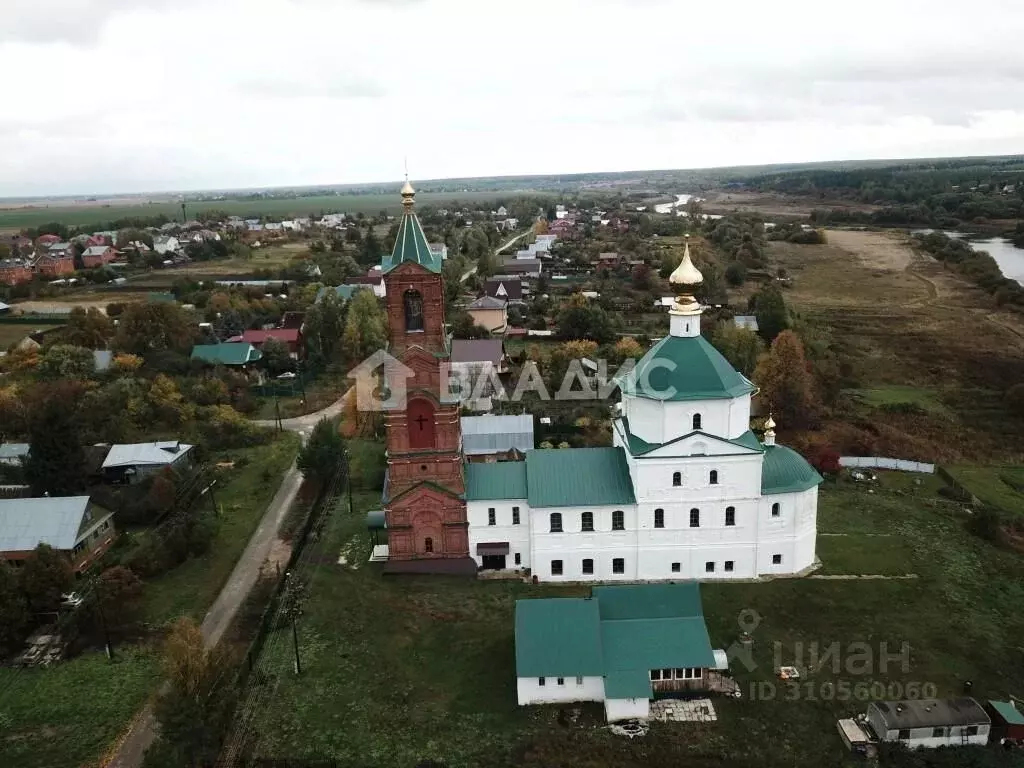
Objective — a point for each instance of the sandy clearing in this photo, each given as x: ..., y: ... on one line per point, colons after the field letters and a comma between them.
x: 874, y: 249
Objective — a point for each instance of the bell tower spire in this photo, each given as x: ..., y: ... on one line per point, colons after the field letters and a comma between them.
x: 684, y: 317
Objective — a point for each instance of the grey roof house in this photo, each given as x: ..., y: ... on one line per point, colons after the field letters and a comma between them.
x: 69, y: 524
x: 133, y: 461
x: 492, y: 437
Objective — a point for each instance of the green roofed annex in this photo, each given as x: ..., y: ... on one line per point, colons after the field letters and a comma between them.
x: 622, y: 646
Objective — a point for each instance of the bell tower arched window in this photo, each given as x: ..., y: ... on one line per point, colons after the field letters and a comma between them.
x: 677, y: 478
x: 696, y: 421
x: 428, y: 545
x: 412, y: 302
x: 421, y: 424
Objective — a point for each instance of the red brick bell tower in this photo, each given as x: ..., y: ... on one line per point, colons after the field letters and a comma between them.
x: 424, y: 494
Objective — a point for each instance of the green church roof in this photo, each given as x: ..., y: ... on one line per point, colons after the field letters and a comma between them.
x: 638, y: 446
x: 411, y: 244
x: 786, y: 471
x: 501, y: 480
x: 620, y: 633
x: 685, y: 368
x: 572, y: 477
x: 233, y: 353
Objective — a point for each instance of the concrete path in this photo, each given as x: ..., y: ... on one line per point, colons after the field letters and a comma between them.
x: 143, y: 730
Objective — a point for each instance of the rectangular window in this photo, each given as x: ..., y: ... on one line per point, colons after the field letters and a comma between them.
x: 695, y: 518
x: 588, y: 566
x: 709, y: 567
x: 587, y: 521
x: 561, y: 681
x: 579, y: 680
x: 675, y: 567
x: 515, y: 515
x: 519, y: 559
x: 556, y: 567
x: 904, y: 734
x: 655, y: 674
x: 730, y: 515
x: 556, y: 522
x: 492, y: 517
x: 972, y: 730
x: 541, y: 682
x: 659, y: 518
x: 618, y: 520
x: 776, y: 559
x: 618, y: 565
x: 938, y: 733
x: 729, y: 565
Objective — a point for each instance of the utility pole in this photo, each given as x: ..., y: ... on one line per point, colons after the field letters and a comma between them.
x: 277, y: 409
x: 348, y: 478
x: 295, y: 644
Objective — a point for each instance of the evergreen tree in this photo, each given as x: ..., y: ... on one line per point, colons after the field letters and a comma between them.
x: 771, y: 312
x: 56, y: 461
x: 323, y: 455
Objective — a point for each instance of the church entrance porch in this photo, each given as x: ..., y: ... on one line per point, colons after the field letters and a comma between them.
x: 493, y: 563
x: 493, y: 555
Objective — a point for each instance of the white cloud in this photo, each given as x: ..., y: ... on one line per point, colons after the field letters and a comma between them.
x: 132, y: 95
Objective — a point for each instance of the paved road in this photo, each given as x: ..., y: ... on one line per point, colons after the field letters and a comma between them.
x: 497, y: 252
x: 143, y: 730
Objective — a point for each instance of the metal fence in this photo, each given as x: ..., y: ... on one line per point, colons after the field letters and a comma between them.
x: 875, y: 462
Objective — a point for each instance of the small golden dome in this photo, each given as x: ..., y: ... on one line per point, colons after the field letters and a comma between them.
x: 686, y: 273
x: 770, y: 423
x: 407, y: 190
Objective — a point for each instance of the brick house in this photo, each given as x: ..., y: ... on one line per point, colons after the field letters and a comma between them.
x: 51, y: 265
x: 97, y: 256
x: 14, y: 272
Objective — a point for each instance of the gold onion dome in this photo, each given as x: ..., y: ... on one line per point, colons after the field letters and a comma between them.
x: 687, y: 277
x: 408, y: 196
x: 770, y: 423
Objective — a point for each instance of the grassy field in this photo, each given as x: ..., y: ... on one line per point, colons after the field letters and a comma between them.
x: 401, y: 670
x: 895, y: 397
x: 69, y: 714
x: 990, y: 484
x: 242, y: 495
x: 18, y: 218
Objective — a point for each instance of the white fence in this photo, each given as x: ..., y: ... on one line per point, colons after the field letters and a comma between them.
x: 875, y: 462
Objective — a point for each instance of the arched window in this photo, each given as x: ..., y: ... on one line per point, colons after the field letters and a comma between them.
x: 695, y: 518
x: 428, y: 544
x: 421, y: 424
x: 618, y: 520
x: 713, y: 479
x: 696, y: 421
x: 659, y: 518
x: 677, y: 478
x: 556, y: 522
x: 412, y: 302
x: 776, y: 509
x: 730, y: 515
x: 588, y: 521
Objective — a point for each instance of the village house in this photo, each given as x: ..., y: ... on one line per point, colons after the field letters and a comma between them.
x: 13, y: 454
x: 13, y: 272
x: 70, y: 524
x: 98, y: 256
x: 291, y: 337
x: 234, y: 354
x: 524, y: 267
x: 440, y: 250
x: 474, y: 363
x: 748, y: 322
x: 132, y: 462
x: 164, y: 244
x: 929, y: 722
x: 511, y: 290
x: 51, y: 265
x: 60, y: 250
x: 45, y: 241
x: 489, y: 312
x: 493, y: 438
x: 1007, y: 723
x: 622, y: 646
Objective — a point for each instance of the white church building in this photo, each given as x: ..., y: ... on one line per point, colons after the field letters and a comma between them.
x: 687, y: 491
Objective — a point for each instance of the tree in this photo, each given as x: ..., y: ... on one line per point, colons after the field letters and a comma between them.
x: 152, y: 326
x: 14, y: 615
x: 582, y: 320
x: 119, y: 594
x: 736, y: 274
x: 276, y: 356
x: 741, y: 347
x: 323, y: 455
x: 463, y: 327
x: 770, y: 309
x: 1015, y: 399
x: 166, y: 400
x: 45, y: 576
x: 325, y: 323
x: 786, y: 382
x: 365, y: 327
x: 196, y: 707
x: 370, y: 249
x: 627, y: 348
x: 56, y: 461
x: 65, y: 361
x: 88, y: 328
x: 642, y: 277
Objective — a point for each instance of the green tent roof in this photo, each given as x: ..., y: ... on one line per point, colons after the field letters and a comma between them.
x: 570, y: 477
x: 411, y: 245
x: 684, y: 368
x: 786, y: 471
x: 558, y: 638
x: 501, y: 480
x: 376, y: 520
x: 1008, y: 712
x: 234, y: 353
x: 620, y: 633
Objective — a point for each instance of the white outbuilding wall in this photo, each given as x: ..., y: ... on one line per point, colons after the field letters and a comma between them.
x: 626, y: 709
x: 530, y: 691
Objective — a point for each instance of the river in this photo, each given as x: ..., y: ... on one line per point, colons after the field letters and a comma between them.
x: 1009, y: 257
x: 681, y: 201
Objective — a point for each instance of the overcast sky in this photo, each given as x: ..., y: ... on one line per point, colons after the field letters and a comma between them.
x: 148, y: 95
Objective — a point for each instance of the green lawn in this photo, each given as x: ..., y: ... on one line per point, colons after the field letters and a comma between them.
x: 897, y: 397
x: 994, y: 485
x: 397, y: 670
x: 242, y: 495
x: 69, y: 714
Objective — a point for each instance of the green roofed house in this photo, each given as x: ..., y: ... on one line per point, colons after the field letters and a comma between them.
x: 686, y: 491
x: 623, y: 646
x: 233, y: 353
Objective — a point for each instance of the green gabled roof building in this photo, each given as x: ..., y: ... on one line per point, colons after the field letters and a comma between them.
x: 229, y: 353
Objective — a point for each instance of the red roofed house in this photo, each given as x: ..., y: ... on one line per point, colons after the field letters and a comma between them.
x: 45, y: 241
x: 290, y: 336
x: 97, y: 256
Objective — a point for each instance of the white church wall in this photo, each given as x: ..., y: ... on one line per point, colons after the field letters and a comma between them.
x: 658, y: 422
x: 739, y: 476
x: 517, y: 536
x: 530, y: 691
x: 659, y: 563
x: 574, y: 545
x: 626, y: 709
